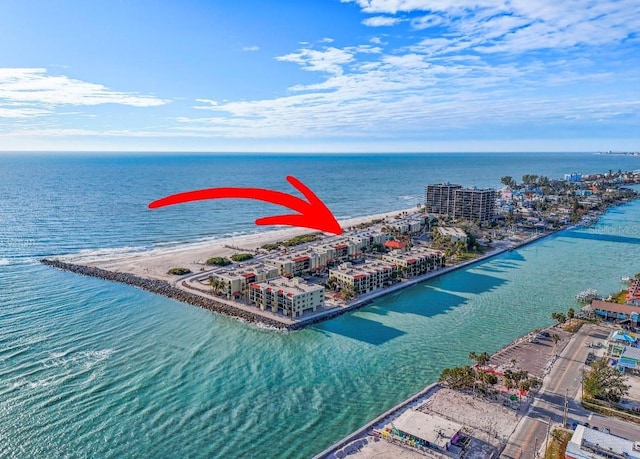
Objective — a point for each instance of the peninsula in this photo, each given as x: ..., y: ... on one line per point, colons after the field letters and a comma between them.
x: 290, y: 278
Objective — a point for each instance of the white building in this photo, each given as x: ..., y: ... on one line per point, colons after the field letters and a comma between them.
x: 366, y: 277
x: 416, y: 261
x: 589, y: 444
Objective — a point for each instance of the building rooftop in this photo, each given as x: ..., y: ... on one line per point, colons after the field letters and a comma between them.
x: 289, y: 286
x: 631, y: 353
x: 615, y: 307
x: 587, y: 442
x: 451, y: 231
x: 426, y: 426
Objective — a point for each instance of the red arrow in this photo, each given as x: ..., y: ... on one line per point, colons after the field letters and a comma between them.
x: 311, y: 213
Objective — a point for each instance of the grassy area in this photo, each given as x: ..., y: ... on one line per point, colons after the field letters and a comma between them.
x: 218, y: 261
x: 301, y: 239
x: 179, y: 271
x: 241, y: 257
x: 573, y: 325
x: 558, y: 444
x: 620, y: 297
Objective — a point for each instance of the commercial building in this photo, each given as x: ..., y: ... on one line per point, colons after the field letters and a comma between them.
x: 463, y: 203
x: 588, y: 443
x: 291, y: 297
x: 366, y: 277
x: 621, y: 313
x: 426, y: 429
x: 415, y: 262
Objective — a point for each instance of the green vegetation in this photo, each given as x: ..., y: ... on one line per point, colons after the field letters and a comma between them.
x: 559, y: 317
x: 216, y: 285
x: 558, y: 444
x: 270, y: 246
x: 179, y: 271
x: 477, y: 379
x: 603, y: 382
x: 238, y: 257
x: 218, y: 261
x: 303, y: 238
x: 620, y: 297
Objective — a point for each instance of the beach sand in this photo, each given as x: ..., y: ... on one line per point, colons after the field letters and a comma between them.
x: 154, y: 264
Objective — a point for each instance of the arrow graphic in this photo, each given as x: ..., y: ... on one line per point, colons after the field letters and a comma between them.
x: 312, y: 213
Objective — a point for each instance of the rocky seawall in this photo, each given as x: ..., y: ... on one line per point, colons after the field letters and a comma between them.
x: 164, y: 288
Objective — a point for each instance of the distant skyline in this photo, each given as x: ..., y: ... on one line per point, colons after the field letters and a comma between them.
x: 320, y: 76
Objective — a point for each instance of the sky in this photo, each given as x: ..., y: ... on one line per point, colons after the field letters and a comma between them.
x: 320, y: 75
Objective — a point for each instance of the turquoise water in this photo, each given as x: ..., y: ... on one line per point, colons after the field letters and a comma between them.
x: 95, y: 369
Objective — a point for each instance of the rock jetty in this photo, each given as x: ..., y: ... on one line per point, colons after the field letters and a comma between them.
x: 164, y: 288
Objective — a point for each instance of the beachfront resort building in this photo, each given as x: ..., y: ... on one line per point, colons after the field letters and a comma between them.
x: 415, y: 262
x: 587, y: 443
x: 449, y: 200
x: 291, y: 297
x: 366, y: 277
x: 233, y: 282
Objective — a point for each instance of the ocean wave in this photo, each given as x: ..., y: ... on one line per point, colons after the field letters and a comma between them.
x: 4, y: 261
x: 410, y: 198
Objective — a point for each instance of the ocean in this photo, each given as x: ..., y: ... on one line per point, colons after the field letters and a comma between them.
x: 90, y: 368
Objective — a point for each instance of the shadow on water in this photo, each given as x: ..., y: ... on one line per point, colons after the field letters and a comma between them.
x: 360, y: 329
x: 427, y: 305
x: 470, y: 282
x: 604, y: 237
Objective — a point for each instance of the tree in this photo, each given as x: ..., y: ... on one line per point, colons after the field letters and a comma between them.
x: 507, y: 180
x: 483, y: 359
x: 555, y: 338
x: 604, y: 382
x: 216, y: 285
x: 460, y: 378
x: 571, y: 313
x: 559, y: 317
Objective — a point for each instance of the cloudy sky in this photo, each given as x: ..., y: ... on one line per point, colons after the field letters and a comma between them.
x: 320, y: 75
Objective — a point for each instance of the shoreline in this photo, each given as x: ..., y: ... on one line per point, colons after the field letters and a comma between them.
x: 257, y: 317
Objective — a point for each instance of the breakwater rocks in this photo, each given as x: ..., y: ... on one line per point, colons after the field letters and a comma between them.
x: 164, y: 288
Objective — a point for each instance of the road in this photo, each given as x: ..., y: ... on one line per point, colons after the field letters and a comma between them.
x: 562, y: 383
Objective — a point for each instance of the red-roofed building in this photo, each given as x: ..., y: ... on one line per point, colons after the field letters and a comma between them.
x: 395, y: 245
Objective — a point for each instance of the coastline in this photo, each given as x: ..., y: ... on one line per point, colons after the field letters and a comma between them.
x: 161, y: 286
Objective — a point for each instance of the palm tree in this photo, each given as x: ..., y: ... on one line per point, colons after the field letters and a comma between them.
x: 555, y: 338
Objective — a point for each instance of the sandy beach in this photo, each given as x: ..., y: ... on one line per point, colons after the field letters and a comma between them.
x: 155, y: 263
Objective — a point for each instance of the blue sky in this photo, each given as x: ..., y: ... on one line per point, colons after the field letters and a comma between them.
x: 320, y: 75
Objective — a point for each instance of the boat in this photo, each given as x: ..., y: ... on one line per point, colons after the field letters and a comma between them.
x: 625, y: 279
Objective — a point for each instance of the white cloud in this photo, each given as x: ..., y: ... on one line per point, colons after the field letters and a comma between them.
x: 381, y: 21
x: 27, y: 93
x: 519, y: 25
x: 326, y: 40
x: 251, y: 48
x: 376, y: 40
x: 329, y: 60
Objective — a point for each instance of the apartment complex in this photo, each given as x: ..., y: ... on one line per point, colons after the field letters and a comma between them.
x: 415, y: 262
x: 233, y: 281
x: 291, y: 297
x: 366, y: 277
x: 457, y: 202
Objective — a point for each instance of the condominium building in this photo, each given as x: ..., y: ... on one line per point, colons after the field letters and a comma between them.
x: 439, y: 198
x: 457, y: 202
x: 291, y: 297
x: 366, y: 277
x: 233, y: 281
x: 415, y: 262
x: 452, y: 233
x: 474, y: 204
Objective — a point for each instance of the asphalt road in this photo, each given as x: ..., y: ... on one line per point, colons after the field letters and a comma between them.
x: 563, y: 383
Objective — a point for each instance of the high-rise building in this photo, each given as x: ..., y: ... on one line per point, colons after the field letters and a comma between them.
x: 474, y: 204
x: 464, y: 203
x: 439, y: 198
